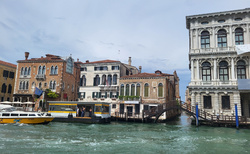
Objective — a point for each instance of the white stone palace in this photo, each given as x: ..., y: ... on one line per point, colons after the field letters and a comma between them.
x: 219, y: 61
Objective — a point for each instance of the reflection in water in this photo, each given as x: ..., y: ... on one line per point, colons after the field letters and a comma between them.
x: 120, y: 137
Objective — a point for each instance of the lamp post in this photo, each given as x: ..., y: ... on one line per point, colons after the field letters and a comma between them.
x: 236, y: 116
x: 197, y: 114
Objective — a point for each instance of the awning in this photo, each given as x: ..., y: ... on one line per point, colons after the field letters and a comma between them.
x: 131, y: 102
x: 243, y: 49
x: 244, y: 84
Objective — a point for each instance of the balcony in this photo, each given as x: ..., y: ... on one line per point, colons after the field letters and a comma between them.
x: 108, y: 88
x: 212, y: 50
x: 24, y: 76
x: 40, y: 77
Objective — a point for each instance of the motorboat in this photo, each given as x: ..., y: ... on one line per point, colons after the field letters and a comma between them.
x: 8, y: 114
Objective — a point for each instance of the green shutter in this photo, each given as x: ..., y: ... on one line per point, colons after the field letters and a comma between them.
x: 111, y: 94
x: 117, y: 94
x: 100, y: 95
x: 106, y: 94
x: 83, y: 94
x: 93, y: 94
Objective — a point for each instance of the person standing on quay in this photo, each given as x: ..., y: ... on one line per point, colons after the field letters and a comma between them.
x: 83, y: 111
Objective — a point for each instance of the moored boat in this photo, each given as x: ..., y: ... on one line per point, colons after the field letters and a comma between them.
x: 9, y: 115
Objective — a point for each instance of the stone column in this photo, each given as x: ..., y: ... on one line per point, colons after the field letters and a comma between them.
x: 191, y: 39
x: 192, y: 100
x: 215, y: 69
x: 192, y: 69
x: 212, y: 41
x: 246, y: 35
x: 197, y: 39
x: 198, y: 70
x: 216, y: 103
x: 230, y: 37
x: 232, y: 68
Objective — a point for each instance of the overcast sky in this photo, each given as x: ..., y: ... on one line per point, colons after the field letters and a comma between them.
x: 152, y: 32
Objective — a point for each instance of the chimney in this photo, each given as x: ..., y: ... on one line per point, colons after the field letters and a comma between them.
x: 139, y: 69
x: 26, y: 55
x: 129, y: 61
x: 87, y: 61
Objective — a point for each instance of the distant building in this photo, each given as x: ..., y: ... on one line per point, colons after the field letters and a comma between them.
x: 99, y: 80
x: 219, y: 61
x: 140, y: 92
x: 60, y: 75
x: 7, y: 81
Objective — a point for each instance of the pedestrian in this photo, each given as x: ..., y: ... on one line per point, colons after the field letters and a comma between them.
x: 83, y: 111
x: 90, y: 112
x: 77, y: 112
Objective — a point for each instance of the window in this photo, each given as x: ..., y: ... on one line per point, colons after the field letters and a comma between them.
x: 146, y: 90
x: 25, y: 71
x: 221, y: 21
x: 115, y: 67
x: 115, y: 79
x: 20, y: 85
x: 83, y: 81
x: 223, y: 71
x: 4, y: 88
x: 109, y: 79
x: 225, y: 102
x: 133, y: 90
x: 103, y: 79
x: 23, y: 85
x: 204, y: 22
x: 100, y: 68
x: 205, y: 39
x: 206, y: 71
x: 33, y: 85
x: 238, y: 19
x: 160, y: 90
x: 52, y: 70
x: 43, y: 70
x: 40, y: 85
x: 239, y: 39
x: 146, y: 107
x: 27, y: 86
x: 83, y: 69
x: 50, y: 85
x: 22, y: 71
x: 113, y: 106
x: 207, y: 102
x: 9, y: 89
x: 69, y: 66
x: 127, y: 90
x: 12, y: 74
x: 29, y: 71
x: 138, y: 89
x: 222, y: 38
x: 241, y: 70
x: 5, y: 73
x: 56, y: 70
x: 96, y: 80
x: 40, y: 70
x: 54, y: 85
x: 122, y: 90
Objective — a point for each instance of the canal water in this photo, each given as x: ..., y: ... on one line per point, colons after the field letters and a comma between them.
x: 120, y: 137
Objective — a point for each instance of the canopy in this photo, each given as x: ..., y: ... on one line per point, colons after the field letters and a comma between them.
x: 243, y: 49
x: 28, y: 103
x: 244, y: 84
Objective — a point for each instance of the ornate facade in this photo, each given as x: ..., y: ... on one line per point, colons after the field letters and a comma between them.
x: 216, y: 64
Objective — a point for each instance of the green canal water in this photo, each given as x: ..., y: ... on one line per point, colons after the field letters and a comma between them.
x: 120, y: 137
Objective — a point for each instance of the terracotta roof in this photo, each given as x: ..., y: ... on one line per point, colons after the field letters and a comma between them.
x: 143, y: 75
x: 48, y: 57
x: 102, y: 61
x: 7, y: 64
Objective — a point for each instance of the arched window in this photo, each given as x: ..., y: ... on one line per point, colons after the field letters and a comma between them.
x: 222, y: 38
x: 109, y: 79
x: 83, y: 80
x: 40, y: 85
x: 29, y: 71
x: 205, y: 39
x: 43, y: 70
x: 69, y: 66
x: 4, y: 88
x: 51, y: 85
x: 206, y: 71
x: 239, y: 38
x: 160, y: 90
x: 96, y: 80
x: 9, y: 89
x: 56, y: 70
x: 241, y: 69
x: 146, y: 90
x: 54, y: 85
x: 20, y: 85
x: 40, y: 70
x: 115, y: 79
x: 52, y: 70
x: 127, y: 90
x: 33, y: 85
x: 103, y: 79
x: 25, y: 71
x: 23, y: 85
x: 223, y: 71
x: 22, y: 71
x: 133, y: 90
x: 27, y: 85
x: 138, y: 89
x: 122, y: 90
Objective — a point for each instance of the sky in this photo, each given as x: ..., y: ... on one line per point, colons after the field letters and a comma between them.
x: 152, y: 32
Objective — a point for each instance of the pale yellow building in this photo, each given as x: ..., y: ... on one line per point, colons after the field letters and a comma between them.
x: 7, y: 80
